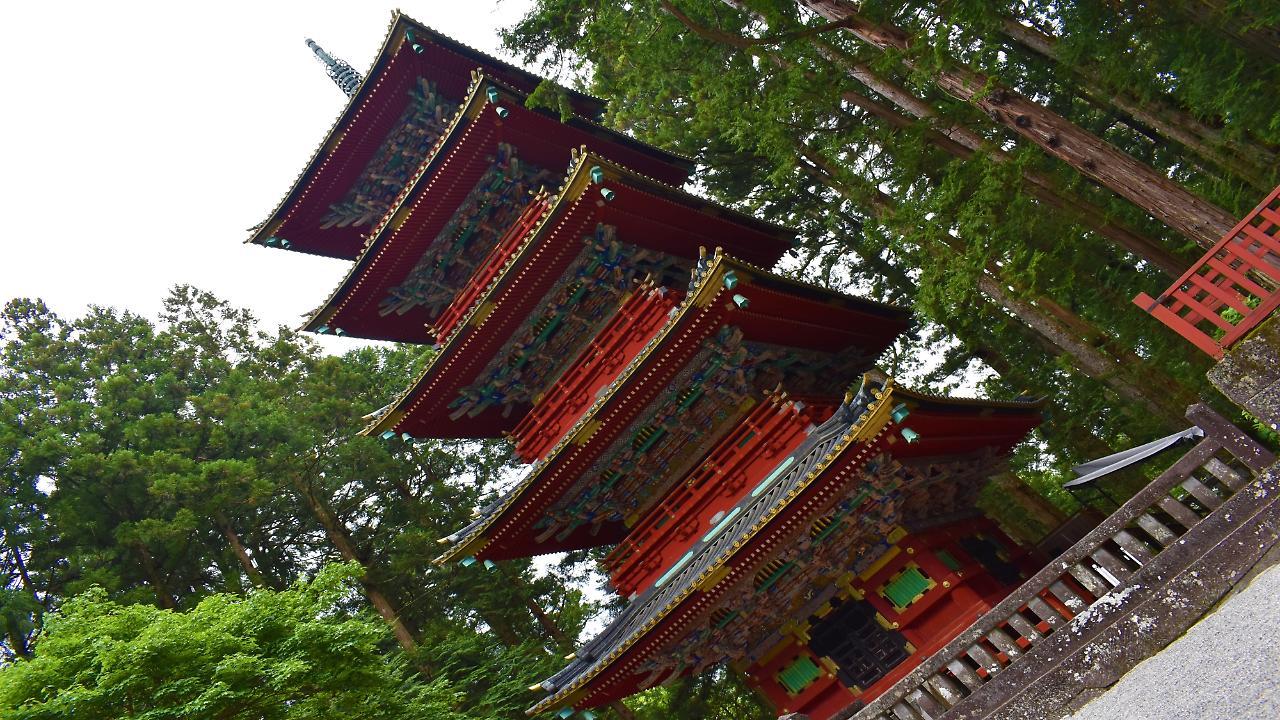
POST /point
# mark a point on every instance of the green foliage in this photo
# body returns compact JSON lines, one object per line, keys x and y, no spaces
{"x":719,"y":694}
{"x":204,"y":464}
{"x":297,"y":653}
{"x":780,"y":128}
{"x":200,"y":457}
{"x":551,"y":96}
{"x":784,"y":121}
{"x":1264,"y":430}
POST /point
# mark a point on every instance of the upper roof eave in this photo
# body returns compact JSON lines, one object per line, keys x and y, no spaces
{"x":485,"y":59}
{"x":472,"y":104}
{"x":399,"y":23}
{"x":468,"y":108}
{"x":853,"y":302}
{"x":942,"y":401}
{"x":678,"y":195}
{"x":397,"y":409}
{"x":398,"y":16}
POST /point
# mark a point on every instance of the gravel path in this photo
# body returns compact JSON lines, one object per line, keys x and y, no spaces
{"x":1226,"y":667}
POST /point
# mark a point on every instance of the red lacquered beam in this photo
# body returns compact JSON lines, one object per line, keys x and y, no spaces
{"x":489,"y":268}
{"x":636,"y":321}
{"x":771,"y":431}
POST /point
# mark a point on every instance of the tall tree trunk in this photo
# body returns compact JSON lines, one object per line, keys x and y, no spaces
{"x":492,"y":617}
{"x":164,"y":598}
{"x":553,"y":631}
{"x":337,"y":535}
{"x":548,"y":624}
{"x":1075,"y":438}
{"x":1088,"y":358}
{"x":1171,"y":123}
{"x":1093,"y":157}
{"x":963,"y":143}
{"x":1233,"y":25}
{"x":22,"y":571}
{"x":1055,"y":336}
{"x":980,"y":349}
{"x":957,"y":141}
{"x":242,"y":555}
{"x":17,"y":638}
{"x":499,"y":625}
{"x":391,"y":615}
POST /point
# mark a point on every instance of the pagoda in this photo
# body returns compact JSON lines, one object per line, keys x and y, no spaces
{"x":769,"y":500}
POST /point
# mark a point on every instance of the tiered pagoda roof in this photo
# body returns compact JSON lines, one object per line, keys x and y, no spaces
{"x":739,"y":332}
{"x":406,"y":103}
{"x":539,"y":300}
{"x":688,"y":407}
{"x":862,"y":470}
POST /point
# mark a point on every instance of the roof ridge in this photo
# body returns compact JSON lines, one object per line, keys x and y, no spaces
{"x":680,"y":191}
{"x":401,"y":15}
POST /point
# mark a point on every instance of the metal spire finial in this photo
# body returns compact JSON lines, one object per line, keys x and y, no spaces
{"x":340,"y":72}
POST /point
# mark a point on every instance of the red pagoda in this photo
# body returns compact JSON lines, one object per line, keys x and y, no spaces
{"x":771,"y":501}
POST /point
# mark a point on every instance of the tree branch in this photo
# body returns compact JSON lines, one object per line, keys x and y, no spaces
{"x":743,"y":42}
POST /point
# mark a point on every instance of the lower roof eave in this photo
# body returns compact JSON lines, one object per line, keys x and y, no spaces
{"x":862,"y":424}
{"x":867,"y":431}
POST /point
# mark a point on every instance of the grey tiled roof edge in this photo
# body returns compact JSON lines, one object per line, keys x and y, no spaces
{"x":648,"y":609}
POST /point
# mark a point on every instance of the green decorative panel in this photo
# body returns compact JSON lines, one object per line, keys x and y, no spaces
{"x":906,"y":587}
{"x":828,"y":531}
{"x":799,"y":675}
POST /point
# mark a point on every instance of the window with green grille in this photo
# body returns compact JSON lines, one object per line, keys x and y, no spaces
{"x":797,"y":676}
{"x":949,"y":560}
{"x":907,"y":586}
{"x":723,"y":616}
{"x":771,"y":573}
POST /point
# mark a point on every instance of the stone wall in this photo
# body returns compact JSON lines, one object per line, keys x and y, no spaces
{"x":1250,"y":374}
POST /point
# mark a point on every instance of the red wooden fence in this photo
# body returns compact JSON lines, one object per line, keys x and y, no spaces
{"x":1231,"y":289}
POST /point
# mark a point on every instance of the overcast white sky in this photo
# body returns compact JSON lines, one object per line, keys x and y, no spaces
{"x":140,"y":140}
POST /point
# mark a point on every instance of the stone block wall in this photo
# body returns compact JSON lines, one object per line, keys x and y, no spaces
{"x":1250,"y":374}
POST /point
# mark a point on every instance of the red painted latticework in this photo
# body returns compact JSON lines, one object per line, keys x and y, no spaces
{"x":1232,"y":289}
{"x":778,"y":312}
